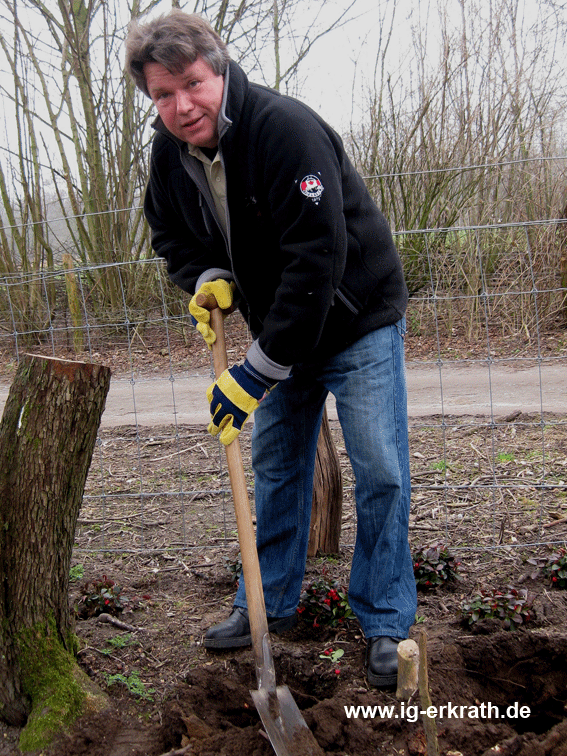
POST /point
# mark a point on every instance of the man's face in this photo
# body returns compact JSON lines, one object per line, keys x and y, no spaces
{"x":188,"y":102}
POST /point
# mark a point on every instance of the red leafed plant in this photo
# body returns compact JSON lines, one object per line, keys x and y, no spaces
{"x":98,"y":597}
{"x":433,"y":566}
{"x":512,"y":607}
{"x":324,"y":603}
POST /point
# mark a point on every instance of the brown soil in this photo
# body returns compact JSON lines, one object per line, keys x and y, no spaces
{"x":183,"y":699}
{"x":196,"y":702}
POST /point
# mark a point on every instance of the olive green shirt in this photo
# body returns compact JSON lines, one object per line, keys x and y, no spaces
{"x":216,"y":179}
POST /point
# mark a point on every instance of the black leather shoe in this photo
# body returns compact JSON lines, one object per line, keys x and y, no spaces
{"x":382,"y":661}
{"x":235,"y":631}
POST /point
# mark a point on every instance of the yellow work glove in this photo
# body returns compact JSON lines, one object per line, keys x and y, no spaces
{"x":222,"y":291}
{"x":233,"y":398}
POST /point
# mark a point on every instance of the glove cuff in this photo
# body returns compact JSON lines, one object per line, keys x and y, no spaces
{"x":263,"y":382}
{"x":211,"y":275}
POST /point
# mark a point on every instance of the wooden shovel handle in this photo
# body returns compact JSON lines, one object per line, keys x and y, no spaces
{"x":207,"y":301}
{"x":246,"y":537}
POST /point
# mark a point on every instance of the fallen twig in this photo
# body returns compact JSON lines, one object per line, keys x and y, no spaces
{"x":175,"y":453}
{"x":104,"y":617}
{"x":180,"y":751}
{"x":555,"y":522}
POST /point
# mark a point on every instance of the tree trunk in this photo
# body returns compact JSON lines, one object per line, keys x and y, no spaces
{"x":47,"y":438}
{"x":327,"y":505}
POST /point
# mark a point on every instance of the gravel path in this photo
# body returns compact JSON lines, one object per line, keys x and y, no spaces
{"x":477,"y":389}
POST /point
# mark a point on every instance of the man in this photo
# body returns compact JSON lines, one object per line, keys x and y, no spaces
{"x":251,"y":193}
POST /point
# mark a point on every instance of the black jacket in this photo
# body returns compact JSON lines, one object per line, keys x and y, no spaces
{"x":312,"y":256}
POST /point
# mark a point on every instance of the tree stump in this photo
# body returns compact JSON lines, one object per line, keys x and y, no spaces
{"x":327,"y":504}
{"x":47,"y":438}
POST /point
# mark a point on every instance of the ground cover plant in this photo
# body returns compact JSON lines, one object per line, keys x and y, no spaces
{"x":512,"y":607}
{"x":556,"y":569}
{"x":98,"y":597}
{"x":434,"y":565}
{"x":324,"y":603}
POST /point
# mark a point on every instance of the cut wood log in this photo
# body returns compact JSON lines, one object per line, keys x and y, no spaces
{"x":327,"y":504}
{"x":408,"y":669}
{"x":47,"y":438}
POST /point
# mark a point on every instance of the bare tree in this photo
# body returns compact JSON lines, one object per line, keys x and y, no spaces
{"x":79,"y":145}
{"x":463,"y":131}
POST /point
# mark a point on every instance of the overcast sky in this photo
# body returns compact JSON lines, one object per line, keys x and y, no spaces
{"x":341,"y":67}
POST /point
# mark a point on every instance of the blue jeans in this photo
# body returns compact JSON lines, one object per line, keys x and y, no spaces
{"x":368,"y":382}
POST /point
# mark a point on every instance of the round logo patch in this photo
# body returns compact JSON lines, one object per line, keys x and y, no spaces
{"x":311,"y":187}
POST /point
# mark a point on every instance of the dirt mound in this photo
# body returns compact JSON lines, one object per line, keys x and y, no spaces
{"x":486,"y":684}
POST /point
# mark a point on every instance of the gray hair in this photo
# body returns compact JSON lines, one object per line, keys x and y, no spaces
{"x":173,"y":41}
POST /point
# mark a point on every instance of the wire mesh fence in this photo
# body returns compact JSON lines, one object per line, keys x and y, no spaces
{"x":487,"y":377}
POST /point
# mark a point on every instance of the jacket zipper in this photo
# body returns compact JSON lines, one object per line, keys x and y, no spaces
{"x":203,"y":188}
{"x":347,"y":302}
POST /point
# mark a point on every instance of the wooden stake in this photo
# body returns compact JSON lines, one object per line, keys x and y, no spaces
{"x":408,"y":669}
{"x":429,"y":723}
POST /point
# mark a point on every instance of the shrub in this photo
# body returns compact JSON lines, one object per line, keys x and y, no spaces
{"x":556,"y":569}
{"x":434,"y":566}
{"x":99,"y":596}
{"x":234,"y":567}
{"x":324,"y":603}
{"x":513,"y":608}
